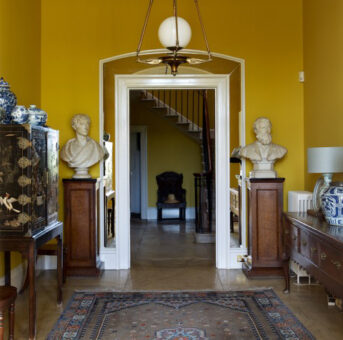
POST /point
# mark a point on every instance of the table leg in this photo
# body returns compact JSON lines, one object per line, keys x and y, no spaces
{"x":1,"y":325}
{"x":59,"y":269}
{"x":32,"y":290}
{"x":11,"y":321}
{"x":285,"y":266}
{"x":7,"y":268}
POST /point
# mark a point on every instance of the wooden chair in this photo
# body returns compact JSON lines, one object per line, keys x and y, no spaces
{"x":8,"y":295}
{"x":170,"y":183}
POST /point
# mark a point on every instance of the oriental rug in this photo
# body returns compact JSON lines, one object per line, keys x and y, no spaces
{"x":239,"y":315}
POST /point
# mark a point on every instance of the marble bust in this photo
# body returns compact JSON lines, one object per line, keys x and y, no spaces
{"x":263,"y":153}
{"x":82,"y":151}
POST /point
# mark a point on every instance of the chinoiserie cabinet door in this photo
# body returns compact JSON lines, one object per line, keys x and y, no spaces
{"x":39,"y":176}
{"x":28,"y":188}
{"x":15,"y":179}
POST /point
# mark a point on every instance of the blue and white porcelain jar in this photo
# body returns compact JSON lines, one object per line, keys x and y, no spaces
{"x":37,"y":116}
{"x":332,"y":204}
{"x":20,"y":115}
{"x":8,"y":101}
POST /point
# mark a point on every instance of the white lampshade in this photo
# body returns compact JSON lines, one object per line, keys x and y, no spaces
{"x":167,"y":32}
{"x":325,"y":160}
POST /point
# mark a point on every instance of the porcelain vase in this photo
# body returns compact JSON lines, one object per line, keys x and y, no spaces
{"x":332,"y":204}
{"x":37,"y":116}
{"x":20,"y":115}
{"x":8,"y":101}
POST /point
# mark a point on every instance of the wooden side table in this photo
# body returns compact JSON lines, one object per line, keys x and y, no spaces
{"x":28,"y":247}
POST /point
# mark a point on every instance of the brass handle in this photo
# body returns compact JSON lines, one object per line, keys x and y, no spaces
{"x":336,"y":263}
{"x":313,"y":250}
{"x":304,"y":243}
{"x":323,"y":256}
{"x":286,"y":231}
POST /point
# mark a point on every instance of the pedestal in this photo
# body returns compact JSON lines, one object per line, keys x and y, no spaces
{"x":265,"y":201}
{"x":81,"y":227}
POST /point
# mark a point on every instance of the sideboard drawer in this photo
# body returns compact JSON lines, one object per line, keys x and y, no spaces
{"x":331,"y":261}
{"x":294,"y":232}
{"x":309,"y":246}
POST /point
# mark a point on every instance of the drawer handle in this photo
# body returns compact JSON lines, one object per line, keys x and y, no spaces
{"x":336,"y":263}
{"x":323,"y":256}
{"x":286,"y":231}
{"x":313,"y":250}
{"x":304,"y":243}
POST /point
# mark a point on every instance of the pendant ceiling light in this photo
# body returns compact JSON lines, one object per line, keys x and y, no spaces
{"x":174,"y":34}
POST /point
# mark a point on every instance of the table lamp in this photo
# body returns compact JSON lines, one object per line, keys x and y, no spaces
{"x":327,"y":161}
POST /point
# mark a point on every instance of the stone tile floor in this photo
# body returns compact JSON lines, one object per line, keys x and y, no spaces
{"x":164,"y":257}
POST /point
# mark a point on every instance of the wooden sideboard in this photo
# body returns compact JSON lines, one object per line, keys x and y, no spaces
{"x":317,"y":247}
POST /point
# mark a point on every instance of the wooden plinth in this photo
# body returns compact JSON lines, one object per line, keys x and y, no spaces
{"x":81,"y":227}
{"x":261,"y":272}
{"x":265,"y":201}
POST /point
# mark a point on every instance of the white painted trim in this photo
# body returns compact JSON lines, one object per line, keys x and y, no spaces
{"x":123,"y":84}
{"x":170,"y":213}
{"x":109,"y":255}
{"x":101,"y":220}
{"x":143,"y":167}
{"x":18,"y":275}
{"x":234,"y":253}
{"x":243,"y":216}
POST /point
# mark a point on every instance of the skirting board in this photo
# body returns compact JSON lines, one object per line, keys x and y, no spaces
{"x":17,"y":276}
{"x":18,"y":273}
{"x":170,"y":213}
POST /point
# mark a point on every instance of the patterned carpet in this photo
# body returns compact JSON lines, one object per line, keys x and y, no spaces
{"x":240,"y":315}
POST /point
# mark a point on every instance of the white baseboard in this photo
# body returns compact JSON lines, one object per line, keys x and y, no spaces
{"x":235,"y":253}
{"x":18,"y":275}
{"x":170,"y":213}
{"x":45,"y":262}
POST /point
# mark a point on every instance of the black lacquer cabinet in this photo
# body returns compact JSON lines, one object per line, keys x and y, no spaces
{"x":28,"y":178}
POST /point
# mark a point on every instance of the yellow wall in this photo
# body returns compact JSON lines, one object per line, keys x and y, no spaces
{"x":168,"y":150}
{"x":76,"y":34}
{"x":323,"y":65}
{"x":20,"y":55}
{"x":266,"y":33}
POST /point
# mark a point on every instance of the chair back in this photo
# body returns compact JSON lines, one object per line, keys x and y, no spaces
{"x":170,"y":182}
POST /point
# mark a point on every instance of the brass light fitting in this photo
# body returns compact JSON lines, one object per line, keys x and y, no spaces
{"x":174,"y":33}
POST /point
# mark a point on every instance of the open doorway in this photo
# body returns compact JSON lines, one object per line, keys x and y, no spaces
{"x":114,"y":114}
{"x":180,"y":130}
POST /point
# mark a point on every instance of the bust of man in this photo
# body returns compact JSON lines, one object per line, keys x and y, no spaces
{"x":82,"y":151}
{"x":263,"y":153}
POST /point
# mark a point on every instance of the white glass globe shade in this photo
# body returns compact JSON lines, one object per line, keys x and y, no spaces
{"x":167,"y":32}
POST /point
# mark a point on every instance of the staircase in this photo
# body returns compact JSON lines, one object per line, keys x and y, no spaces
{"x":187,"y":111}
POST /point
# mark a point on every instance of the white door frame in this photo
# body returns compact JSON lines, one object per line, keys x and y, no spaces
{"x":114,"y":258}
{"x":142,"y":130}
{"x":123,"y":85}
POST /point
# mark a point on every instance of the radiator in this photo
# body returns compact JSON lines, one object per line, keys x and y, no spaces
{"x":299,"y":201}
